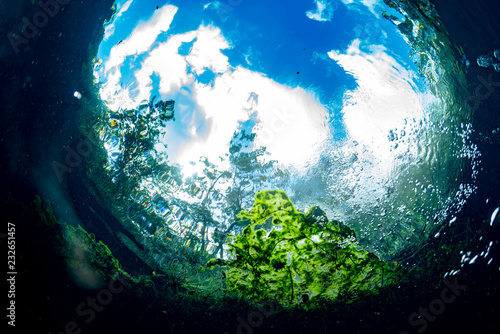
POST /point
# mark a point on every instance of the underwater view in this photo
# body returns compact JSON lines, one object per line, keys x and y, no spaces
{"x":246,"y":166}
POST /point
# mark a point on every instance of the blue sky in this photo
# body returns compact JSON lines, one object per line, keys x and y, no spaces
{"x":311,"y":73}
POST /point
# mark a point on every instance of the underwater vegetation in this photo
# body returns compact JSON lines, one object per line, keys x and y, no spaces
{"x":302,"y":258}
{"x":167,"y":298}
{"x":304,"y":261}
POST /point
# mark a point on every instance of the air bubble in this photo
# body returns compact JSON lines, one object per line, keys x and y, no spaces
{"x":494,"y":215}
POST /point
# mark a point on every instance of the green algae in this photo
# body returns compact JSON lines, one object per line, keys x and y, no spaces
{"x":302,"y":258}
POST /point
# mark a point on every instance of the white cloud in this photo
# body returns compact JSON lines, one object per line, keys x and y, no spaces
{"x":166,"y":62}
{"x":139,"y":41}
{"x":210,"y":114}
{"x":292,"y":123}
{"x":142,"y":37}
{"x":385,"y":97}
{"x":324,"y":11}
{"x":206,"y":52}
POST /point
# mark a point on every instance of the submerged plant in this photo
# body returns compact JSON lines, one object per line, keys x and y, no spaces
{"x":300,"y":257}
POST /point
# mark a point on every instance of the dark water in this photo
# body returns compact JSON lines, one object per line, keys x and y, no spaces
{"x":40,"y":122}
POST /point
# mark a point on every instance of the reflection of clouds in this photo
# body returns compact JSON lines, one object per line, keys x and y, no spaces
{"x":385,"y":97}
{"x":324,"y":11}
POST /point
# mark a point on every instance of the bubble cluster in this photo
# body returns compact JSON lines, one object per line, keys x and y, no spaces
{"x":492,"y":59}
